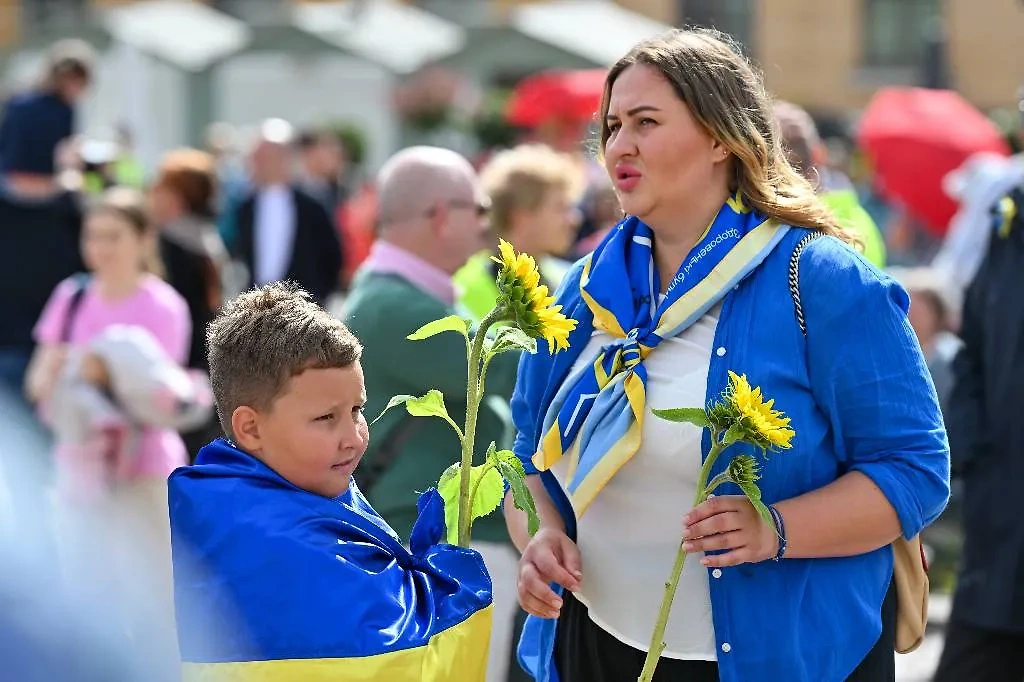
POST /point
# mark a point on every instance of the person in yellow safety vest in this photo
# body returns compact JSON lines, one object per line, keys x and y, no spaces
{"x":809,"y":155}
{"x":533,"y":191}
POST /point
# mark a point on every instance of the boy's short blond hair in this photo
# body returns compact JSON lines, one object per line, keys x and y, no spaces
{"x":520,"y":178}
{"x":263,"y":338}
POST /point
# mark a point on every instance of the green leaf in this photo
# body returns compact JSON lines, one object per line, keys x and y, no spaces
{"x":753,"y":494}
{"x":691,"y":415}
{"x":511,"y":469}
{"x":431,"y":404}
{"x":394,"y":402}
{"x":486,"y":481}
{"x":510,"y":337}
{"x":452,"y":323}
{"x":484,"y":484}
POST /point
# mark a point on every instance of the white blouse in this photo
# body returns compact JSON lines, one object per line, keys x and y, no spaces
{"x":629,"y":536}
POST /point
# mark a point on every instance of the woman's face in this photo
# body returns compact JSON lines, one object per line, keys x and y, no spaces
{"x":554,"y":222}
{"x":111,"y":245}
{"x":657,"y":155}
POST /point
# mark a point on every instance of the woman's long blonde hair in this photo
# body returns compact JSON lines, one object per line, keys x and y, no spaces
{"x":727,"y":97}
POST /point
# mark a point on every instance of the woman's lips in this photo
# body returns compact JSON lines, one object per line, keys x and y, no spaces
{"x":626,"y":177}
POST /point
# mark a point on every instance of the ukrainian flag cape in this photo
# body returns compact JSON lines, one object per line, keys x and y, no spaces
{"x":276,"y":583}
{"x":596,"y":417}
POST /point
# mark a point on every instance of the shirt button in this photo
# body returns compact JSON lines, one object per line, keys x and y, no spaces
{"x":717,"y":573}
{"x":720,"y":352}
{"x":726,"y":647}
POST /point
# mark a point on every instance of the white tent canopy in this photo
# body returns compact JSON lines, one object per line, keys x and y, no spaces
{"x":399,"y":37}
{"x":598,"y":30}
{"x":189,"y":35}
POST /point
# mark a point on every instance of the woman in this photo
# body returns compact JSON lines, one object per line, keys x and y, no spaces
{"x":113,"y":489}
{"x":183,"y":205}
{"x":533,"y":190}
{"x":689,"y":140}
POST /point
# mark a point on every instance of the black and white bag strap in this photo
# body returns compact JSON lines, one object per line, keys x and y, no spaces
{"x":794,"y":277}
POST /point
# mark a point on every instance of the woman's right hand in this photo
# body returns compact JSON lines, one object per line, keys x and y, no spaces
{"x":550,"y":557}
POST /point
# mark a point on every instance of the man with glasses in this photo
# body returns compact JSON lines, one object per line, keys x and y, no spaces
{"x":432,"y":218}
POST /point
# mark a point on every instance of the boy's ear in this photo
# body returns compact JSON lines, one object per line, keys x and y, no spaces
{"x":245,"y":425}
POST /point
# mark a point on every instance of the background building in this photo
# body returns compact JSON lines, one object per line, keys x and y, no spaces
{"x":182,"y":64}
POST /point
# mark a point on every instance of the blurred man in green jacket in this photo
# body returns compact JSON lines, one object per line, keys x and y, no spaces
{"x":807,"y":152}
{"x":433,"y":216}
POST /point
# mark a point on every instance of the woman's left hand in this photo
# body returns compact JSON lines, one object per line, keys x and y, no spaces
{"x":729,"y":522}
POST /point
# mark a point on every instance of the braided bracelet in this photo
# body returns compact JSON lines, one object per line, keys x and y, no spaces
{"x":780,"y":530}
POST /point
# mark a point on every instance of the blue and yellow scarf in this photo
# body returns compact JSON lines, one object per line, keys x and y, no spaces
{"x":596,"y":417}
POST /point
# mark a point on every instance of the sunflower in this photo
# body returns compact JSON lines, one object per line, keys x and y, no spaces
{"x":745,"y":410}
{"x":527,"y":300}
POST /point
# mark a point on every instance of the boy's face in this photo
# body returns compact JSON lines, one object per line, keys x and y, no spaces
{"x":314,"y":433}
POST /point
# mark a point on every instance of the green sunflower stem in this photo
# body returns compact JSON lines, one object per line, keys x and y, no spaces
{"x":657,"y":645}
{"x":473,"y":398}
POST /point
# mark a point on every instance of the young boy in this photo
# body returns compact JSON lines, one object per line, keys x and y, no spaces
{"x":282,"y":569}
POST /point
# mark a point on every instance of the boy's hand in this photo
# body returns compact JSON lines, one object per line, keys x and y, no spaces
{"x":551,"y":557}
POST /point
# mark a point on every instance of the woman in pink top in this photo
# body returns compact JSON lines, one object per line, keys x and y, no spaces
{"x":118,"y":540}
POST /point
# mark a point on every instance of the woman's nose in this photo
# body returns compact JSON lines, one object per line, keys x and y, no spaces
{"x":618,"y":146}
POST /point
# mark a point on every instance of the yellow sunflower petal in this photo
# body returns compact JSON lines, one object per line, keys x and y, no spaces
{"x":508,"y":254}
{"x":555,"y":327}
{"x":769,"y":425}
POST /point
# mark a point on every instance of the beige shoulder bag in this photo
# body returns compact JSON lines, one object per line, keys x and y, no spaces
{"x":910,"y":569}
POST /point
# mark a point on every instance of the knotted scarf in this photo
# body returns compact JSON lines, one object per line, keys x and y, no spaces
{"x":596,"y":417}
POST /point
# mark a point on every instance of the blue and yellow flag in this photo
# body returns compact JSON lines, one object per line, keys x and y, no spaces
{"x":276,"y":583}
{"x":596,"y":417}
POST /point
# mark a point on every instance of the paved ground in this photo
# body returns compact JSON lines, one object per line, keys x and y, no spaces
{"x":920,"y":665}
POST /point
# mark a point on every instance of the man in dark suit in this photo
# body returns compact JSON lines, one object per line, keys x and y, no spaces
{"x":283,"y":232}
{"x":985,"y":636}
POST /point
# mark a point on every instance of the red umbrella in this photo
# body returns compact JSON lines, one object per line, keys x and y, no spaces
{"x":914,"y":137}
{"x":566,"y":95}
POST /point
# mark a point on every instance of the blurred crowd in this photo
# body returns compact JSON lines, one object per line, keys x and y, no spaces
{"x":111,"y":273}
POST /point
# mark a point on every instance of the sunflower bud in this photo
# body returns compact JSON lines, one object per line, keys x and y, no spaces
{"x":743,"y":470}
